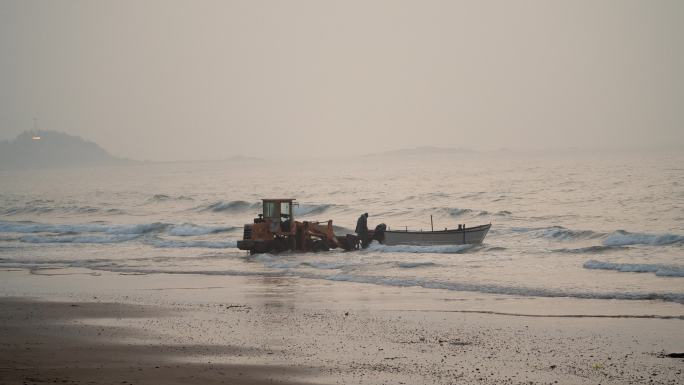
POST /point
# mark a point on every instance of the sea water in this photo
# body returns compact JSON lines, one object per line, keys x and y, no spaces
{"x":579,"y":225}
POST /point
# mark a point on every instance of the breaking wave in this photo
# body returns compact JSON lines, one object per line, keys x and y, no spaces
{"x":502,"y":213}
{"x":165,"y":198}
{"x":561,"y":233}
{"x":189,"y":229}
{"x":222,"y":206}
{"x":143,"y":228}
{"x":235,"y":206}
{"x":558,"y":233}
{"x":590,"y":249}
{"x":624,"y":238}
{"x":43,"y":208}
{"x":660,"y":270}
{"x":304,"y":210}
{"x":616,"y":239}
{"x":456,"y":212}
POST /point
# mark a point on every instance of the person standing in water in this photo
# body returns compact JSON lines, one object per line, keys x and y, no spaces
{"x":362,"y":229}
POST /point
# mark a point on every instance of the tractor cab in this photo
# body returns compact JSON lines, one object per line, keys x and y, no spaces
{"x":279,"y":213}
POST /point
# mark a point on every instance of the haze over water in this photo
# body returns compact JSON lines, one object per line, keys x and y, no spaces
{"x":590,"y":226}
{"x":138,"y":137}
{"x":173,"y":80}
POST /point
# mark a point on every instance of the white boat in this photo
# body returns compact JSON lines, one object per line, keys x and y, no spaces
{"x":471,"y":235}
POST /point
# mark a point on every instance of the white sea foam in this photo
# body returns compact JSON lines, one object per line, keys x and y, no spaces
{"x":624,"y":238}
{"x":274,"y":262}
{"x":659,"y":269}
{"x":440,"y":249}
{"x":506,"y":290}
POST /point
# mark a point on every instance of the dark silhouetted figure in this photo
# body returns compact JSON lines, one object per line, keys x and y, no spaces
{"x":362,"y":229}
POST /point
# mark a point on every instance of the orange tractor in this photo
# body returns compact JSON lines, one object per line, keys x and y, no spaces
{"x":275,"y":230}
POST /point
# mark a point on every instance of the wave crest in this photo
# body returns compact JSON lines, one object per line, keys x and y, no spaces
{"x":558,"y":233}
{"x":660,"y":270}
{"x":304,"y":210}
{"x":624,"y":238}
{"x":142,"y":228}
{"x":165,"y":197}
{"x":45,"y":208}
{"x":589,"y":249}
{"x":190,"y":229}
{"x":223,"y":206}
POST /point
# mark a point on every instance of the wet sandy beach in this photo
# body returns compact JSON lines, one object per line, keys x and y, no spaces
{"x":79,"y":327}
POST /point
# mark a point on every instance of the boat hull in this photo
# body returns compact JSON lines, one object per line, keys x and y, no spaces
{"x":473,"y":235}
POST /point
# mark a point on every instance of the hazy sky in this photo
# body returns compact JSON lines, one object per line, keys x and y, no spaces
{"x":169,"y":80}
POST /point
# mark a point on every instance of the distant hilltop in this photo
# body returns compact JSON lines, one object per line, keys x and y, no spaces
{"x":244,"y":159}
{"x":48,"y":149}
{"x":423,"y":152}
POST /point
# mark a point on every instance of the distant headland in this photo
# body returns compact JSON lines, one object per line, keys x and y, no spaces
{"x":424,"y":151}
{"x":52,"y":149}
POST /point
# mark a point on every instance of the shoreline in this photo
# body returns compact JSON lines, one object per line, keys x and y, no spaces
{"x":291,"y":331}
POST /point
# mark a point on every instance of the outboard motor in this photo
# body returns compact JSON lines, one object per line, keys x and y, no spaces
{"x":379,"y":232}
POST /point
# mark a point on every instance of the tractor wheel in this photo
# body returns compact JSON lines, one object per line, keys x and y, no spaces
{"x":319,"y":245}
